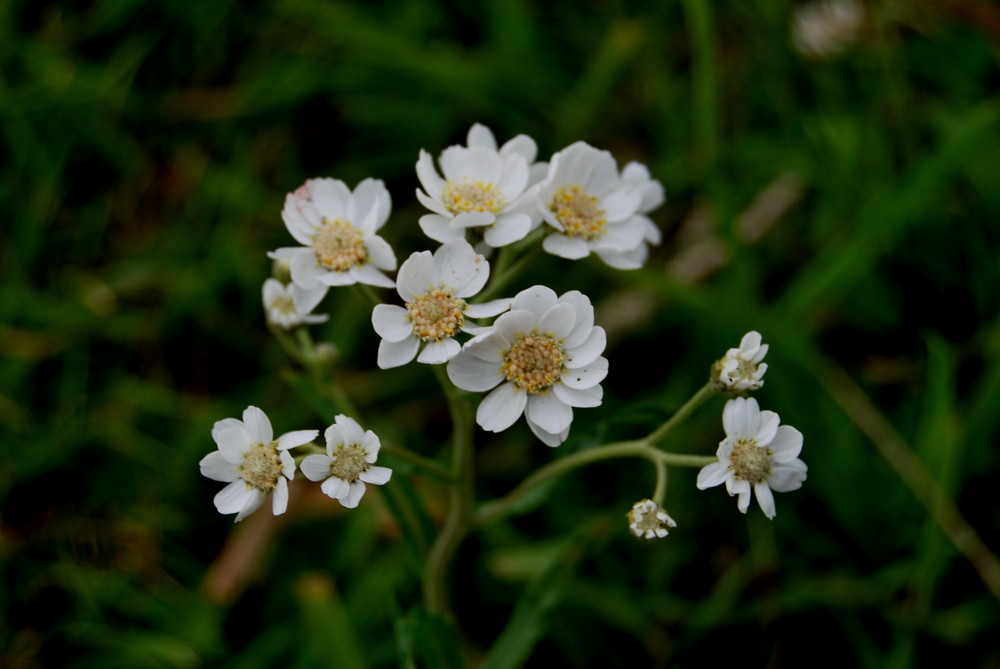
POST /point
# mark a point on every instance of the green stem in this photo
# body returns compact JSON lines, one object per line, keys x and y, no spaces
{"x":456,"y":522}
{"x":661,"y":482}
{"x":688,"y":407}
{"x":369,"y":293}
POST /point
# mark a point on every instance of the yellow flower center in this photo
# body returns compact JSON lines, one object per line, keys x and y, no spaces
{"x":534,"y":363}
{"x":339,"y":245}
{"x":348,"y":462}
{"x":750,"y":461}
{"x":261,"y":467}
{"x":284,"y":305}
{"x":579,"y":212}
{"x":436,"y":315}
{"x":462,"y":196}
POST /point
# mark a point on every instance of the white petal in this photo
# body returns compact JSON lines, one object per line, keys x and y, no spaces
{"x":371,"y":446}
{"x":473,"y":219}
{"x":514,"y":176}
{"x":786,"y":445}
{"x":735,"y":418}
{"x":488,"y":309}
{"x":417,"y":276}
{"x":439,"y":228}
{"x":306,"y":300}
{"x":336,"y":488}
{"x":258,"y":426}
{"x":217,"y":468}
{"x":279,"y":497}
{"x":272,"y":290}
{"x":397,"y":353}
{"x":587,"y":352}
{"x":501,"y":408}
{"x":370,"y":275}
{"x":623,"y":236}
{"x":549,"y":413}
{"x":557,"y":322}
{"x":765,"y":499}
{"x":787,"y":476}
{"x":624,"y":260}
{"x":316,"y":467}
{"x":392,"y":323}
{"x":296,"y":438}
{"x":537,"y":300}
{"x":521,"y":145}
{"x":428,"y":175}
{"x":376,"y":475}
{"x":233,"y":442}
{"x":435,"y":205}
{"x":620,"y":204}
{"x":584,"y":318}
{"x":353,"y":432}
{"x":507,"y":229}
{"x":743,"y":501}
{"x":547,"y":438}
{"x":472,"y":373}
{"x":305,"y":271}
{"x":588,"y":376}
{"x":480,"y":135}
{"x":516,"y":323}
{"x":571,"y":248}
{"x":335,"y":278}
{"x":380,"y":253}
{"x":438,"y":352}
{"x":234,"y":497}
{"x":712,"y":475}
{"x":767,"y":427}
{"x":354,"y":494}
{"x":589,"y":398}
{"x":330,"y":197}
{"x":367,"y":195}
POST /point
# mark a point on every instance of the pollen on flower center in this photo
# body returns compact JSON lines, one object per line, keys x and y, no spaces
{"x":750,"y":462}
{"x":579,"y":212}
{"x":348,"y":462}
{"x":534,"y":363}
{"x":339,"y":245}
{"x":284,"y":305}
{"x":436,"y":315}
{"x":261,"y":467}
{"x":463,"y":196}
{"x":745,"y":369}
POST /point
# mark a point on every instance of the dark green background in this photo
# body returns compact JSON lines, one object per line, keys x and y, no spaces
{"x":146,"y":151}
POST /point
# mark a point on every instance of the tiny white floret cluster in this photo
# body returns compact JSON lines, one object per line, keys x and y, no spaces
{"x":757,"y":455}
{"x":741,"y":369}
{"x":540,"y":359}
{"x":290,"y":306}
{"x":349,"y":462}
{"x":648,"y":520}
{"x":252,"y":462}
{"x":434,"y":288}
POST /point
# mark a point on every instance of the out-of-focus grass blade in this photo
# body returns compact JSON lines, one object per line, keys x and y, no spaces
{"x":427,"y":640}
{"x":328,"y":630}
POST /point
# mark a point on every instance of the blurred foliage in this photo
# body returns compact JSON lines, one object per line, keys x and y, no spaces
{"x":847,"y":208}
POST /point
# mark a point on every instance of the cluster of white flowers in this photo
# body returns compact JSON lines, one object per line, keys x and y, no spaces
{"x":541,"y":357}
{"x":254,"y":464}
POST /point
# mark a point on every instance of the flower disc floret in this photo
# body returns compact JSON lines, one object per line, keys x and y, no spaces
{"x":339,"y":245}
{"x":436,"y":315}
{"x":758,"y":455}
{"x":648,"y":520}
{"x":466,"y":195}
{"x":349,"y":462}
{"x":579,"y":212}
{"x":534,"y":363}
{"x":741,"y":369}
{"x":261,"y":467}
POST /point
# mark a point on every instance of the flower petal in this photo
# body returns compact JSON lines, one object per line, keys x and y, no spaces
{"x":549,"y":413}
{"x":330,"y":197}
{"x":712,"y":475}
{"x":296,"y":438}
{"x":336,"y":488}
{"x":234,"y":497}
{"x":558,"y":321}
{"x":589,"y":398}
{"x":428,"y":175}
{"x":588,"y":351}
{"x":217,"y":468}
{"x":507,"y":229}
{"x":392,"y":323}
{"x":571,"y":248}
{"x":397,"y":353}
{"x":765,"y":499}
{"x":470,"y":372}
{"x":537,"y":300}
{"x":438,"y":352}
{"x":438,"y":228}
{"x":279,"y":497}
{"x":488,"y":309}
{"x":354,"y":494}
{"x":376,"y":475}
{"x":316,"y":467}
{"x":258,"y":426}
{"x":233,"y":442}
{"x":370,"y":275}
{"x":587,"y":376}
{"x":501,"y":408}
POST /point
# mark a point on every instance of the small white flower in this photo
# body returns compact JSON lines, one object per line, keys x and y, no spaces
{"x":483,"y":188}
{"x":756,"y":455}
{"x":648,"y":520}
{"x":824,"y":28}
{"x":542,"y":358}
{"x":336,"y":228}
{"x":252,"y":463}
{"x":636,"y":176}
{"x":592,"y":209}
{"x":289,"y":306}
{"x":741,"y":368}
{"x":347,"y":465}
{"x":434,"y":288}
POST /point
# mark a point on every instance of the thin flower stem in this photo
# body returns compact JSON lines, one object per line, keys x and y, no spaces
{"x":307,"y":349}
{"x":661,"y":482}
{"x":287,"y":344}
{"x":456,"y":522}
{"x":686,"y":410}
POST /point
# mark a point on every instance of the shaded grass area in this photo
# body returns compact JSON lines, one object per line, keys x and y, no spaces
{"x":846,"y":208}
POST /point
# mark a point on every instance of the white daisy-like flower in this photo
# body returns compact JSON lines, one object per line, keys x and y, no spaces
{"x":542,"y":358}
{"x":648,"y":520}
{"x":637,"y":177}
{"x":252,"y":462}
{"x":483,"y":188}
{"x":336,"y":228}
{"x":824,"y":28}
{"x":434,"y":288}
{"x":741,"y":369}
{"x":347,"y":465}
{"x":289,"y":306}
{"x":757,"y":454}
{"x":592,"y":209}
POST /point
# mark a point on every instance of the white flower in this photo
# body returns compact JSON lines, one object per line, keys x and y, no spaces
{"x":824,"y":28}
{"x":252,"y":463}
{"x":636,"y":176}
{"x":347,"y":465}
{"x":756,"y":454}
{"x":289,"y":306}
{"x":741,"y":368}
{"x":592,"y":209}
{"x":648,"y":520}
{"x":336,"y":228}
{"x":483,"y":188}
{"x":541,"y":359}
{"x":434,"y":288}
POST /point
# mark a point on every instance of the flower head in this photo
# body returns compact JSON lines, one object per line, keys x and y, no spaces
{"x":648,"y":520}
{"x":336,"y":228}
{"x":824,"y":28}
{"x":542,"y":358}
{"x":741,"y":368}
{"x":347,"y":465}
{"x":592,"y":209}
{"x":289,"y":306}
{"x":434,"y":288}
{"x":483,"y":188}
{"x":757,"y":454}
{"x":252,"y":462}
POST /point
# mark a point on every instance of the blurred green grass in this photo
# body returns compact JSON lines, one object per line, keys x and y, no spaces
{"x":146,"y":151}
